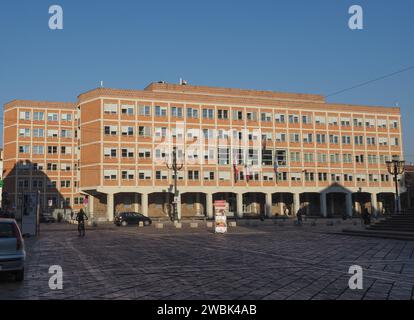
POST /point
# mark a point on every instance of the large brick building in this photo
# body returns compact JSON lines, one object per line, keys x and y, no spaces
{"x":264,"y":152}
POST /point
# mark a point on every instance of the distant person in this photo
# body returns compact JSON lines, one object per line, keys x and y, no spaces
{"x":366,"y":216}
{"x":80,"y":218}
{"x":299,"y":216}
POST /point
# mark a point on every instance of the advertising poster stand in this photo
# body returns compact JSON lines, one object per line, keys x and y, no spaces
{"x":221,"y":209}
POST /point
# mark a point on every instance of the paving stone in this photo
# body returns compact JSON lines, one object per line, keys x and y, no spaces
{"x":249,"y":262}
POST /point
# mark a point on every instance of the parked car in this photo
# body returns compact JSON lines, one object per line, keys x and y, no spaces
{"x":131,"y":218}
{"x":46,"y":218}
{"x":12,"y":251}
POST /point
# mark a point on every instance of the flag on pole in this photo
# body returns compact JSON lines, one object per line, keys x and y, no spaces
{"x":236,"y":172}
{"x":247,"y":173}
{"x":276,"y":168}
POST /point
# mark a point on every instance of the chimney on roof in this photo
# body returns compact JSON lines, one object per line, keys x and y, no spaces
{"x":183,"y":82}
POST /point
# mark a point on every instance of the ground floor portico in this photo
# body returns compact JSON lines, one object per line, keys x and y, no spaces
{"x":333,"y":201}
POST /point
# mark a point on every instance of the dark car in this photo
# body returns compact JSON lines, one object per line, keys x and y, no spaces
{"x":46,"y":218}
{"x":131,"y":218}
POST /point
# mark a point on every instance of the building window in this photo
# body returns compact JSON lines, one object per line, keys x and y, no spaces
{"x":281,"y":158}
{"x":222,"y":114}
{"x":160,"y":111}
{"x":144,"y":153}
{"x":65,"y":183}
{"x":322,"y":176}
{"x":251,"y":116}
{"x":24,"y":115}
{"x":52,"y":133}
{"x":345,"y":122}
{"x":127,"y":153}
{"x":144,"y":175}
{"x":127,"y":131}
{"x":280,"y":137}
{"x":144,"y":111}
{"x":296,"y":176}
{"x":38,"y":116}
{"x":320,"y":138}
{"x":24,"y":132}
{"x":38,"y":149}
{"x":295,"y":137}
{"x":335,"y":158}
{"x":38,"y":132}
{"x":66,"y":133}
{"x":208,"y":113}
{"x":144,"y":131}
{"x":319,"y":120}
{"x":333,"y":121}
{"x":209,"y":175}
{"x":335,"y":177}
{"x":110,"y":174}
{"x":333,"y":139}
{"x":267,"y":157}
{"x":65,"y":150}
{"x":110,"y":152}
{"x":359,"y":158}
{"x":308,"y":138}
{"x":359,"y":140}
{"x":308,"y":157}
{"x":52,"y":167}
{"x":266,"y":117}
{"x":52,"y":117}
{"x":358,"y":122}
{"x":66,"y":117}
{"x":110,"y":108}
{"x":394,"y":141}
{"x":306,"y":119}
{"x":309,"y":176}
{"x":237,"y":115}
{"x":347,"y":157}
{"x":52,"y":149}
{"x":322,"y":157}
{"x":293,"y":118}
{"x":348,"y":177}
{"x":127,"y":175}
{"x":192,"y":113}
{"x":127,"y":109}
{"x":177,"y":112}
{"x":295,"y":156}
{"x":280,"y":118}
{"x":282,"y":176}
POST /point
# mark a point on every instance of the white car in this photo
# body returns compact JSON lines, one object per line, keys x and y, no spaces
{"x":12,"y":251}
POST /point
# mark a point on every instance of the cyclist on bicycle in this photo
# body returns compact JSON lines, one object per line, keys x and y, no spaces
{"x":80,"y":218}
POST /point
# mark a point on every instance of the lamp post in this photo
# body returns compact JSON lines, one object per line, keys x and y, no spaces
{"x":395,"y":168}
{"x":175,"y":167}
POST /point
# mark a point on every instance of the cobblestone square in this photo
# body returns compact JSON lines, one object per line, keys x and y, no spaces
{"x":252,"y":261}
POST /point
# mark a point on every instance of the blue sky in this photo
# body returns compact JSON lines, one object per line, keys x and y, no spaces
{"x":293,"y":46}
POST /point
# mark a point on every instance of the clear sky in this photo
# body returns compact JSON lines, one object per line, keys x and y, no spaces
{"x":294,"y":46}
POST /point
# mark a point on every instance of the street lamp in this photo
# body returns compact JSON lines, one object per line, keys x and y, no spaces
{"x":176,"y":167}
{"x":395,"y":168}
